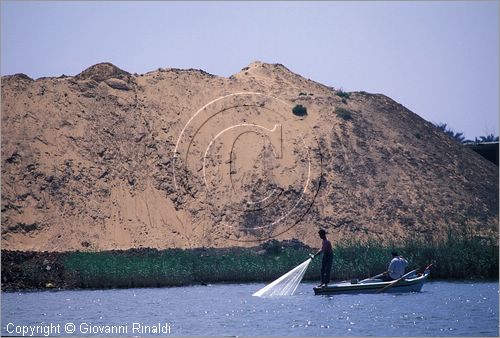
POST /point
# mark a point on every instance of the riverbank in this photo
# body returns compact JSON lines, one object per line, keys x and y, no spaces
{"x":457,"y":257}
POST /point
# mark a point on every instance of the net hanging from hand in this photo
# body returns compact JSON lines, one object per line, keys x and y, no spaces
{"x":286,"y":284}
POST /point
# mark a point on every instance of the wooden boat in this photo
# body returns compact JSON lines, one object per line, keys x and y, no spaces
{"x":410,"y":282}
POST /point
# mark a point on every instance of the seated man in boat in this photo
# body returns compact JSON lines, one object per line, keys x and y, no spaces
{"x":396,"y":268}
{"x":326,"y":263}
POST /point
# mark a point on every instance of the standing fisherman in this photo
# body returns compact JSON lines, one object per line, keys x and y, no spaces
{"x":326,"y":262}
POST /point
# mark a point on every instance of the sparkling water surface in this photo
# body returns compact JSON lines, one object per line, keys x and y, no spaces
{"x":441,"y":309}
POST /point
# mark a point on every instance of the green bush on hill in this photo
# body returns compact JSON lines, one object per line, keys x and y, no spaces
{"x":343,"y":113}
{"x":299,"y":110}
{"x":343,"y":94}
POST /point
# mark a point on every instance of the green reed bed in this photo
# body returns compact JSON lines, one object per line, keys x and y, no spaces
{"x":455,"y":257}
{"x":459,"y":256}
{"x":177,"y":267}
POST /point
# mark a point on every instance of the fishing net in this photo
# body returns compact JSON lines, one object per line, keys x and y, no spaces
{"x":286,"y":284}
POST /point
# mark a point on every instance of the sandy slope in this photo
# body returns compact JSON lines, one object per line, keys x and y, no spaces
{"x":89,"y":162}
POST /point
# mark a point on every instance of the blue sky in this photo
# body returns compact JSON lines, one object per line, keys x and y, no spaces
{"x":439,"y":59}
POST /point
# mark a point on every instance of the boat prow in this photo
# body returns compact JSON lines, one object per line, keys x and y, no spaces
{"x":412,"y":283}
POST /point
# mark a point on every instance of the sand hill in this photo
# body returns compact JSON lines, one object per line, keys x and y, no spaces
{"x":182,"y":158}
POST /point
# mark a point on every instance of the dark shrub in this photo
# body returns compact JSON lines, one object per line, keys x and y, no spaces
{"x":343,"y":113}
{"x":299,"y":110}
{"x":272,"y":247}
{"x":343,"y":94}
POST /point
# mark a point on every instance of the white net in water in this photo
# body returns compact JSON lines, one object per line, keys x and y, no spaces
{"x":286,"y":284}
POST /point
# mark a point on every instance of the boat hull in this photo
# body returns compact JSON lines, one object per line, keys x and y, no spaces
{"x":408,"y":285}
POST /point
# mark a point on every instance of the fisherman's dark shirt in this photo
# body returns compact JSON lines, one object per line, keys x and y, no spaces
{"x":327,"y":246}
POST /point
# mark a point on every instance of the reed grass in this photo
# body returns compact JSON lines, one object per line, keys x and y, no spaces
{"x":456,"y":257}
{"x":176,"y":267}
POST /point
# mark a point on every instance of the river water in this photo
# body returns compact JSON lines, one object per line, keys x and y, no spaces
{"x":441,"y":309}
